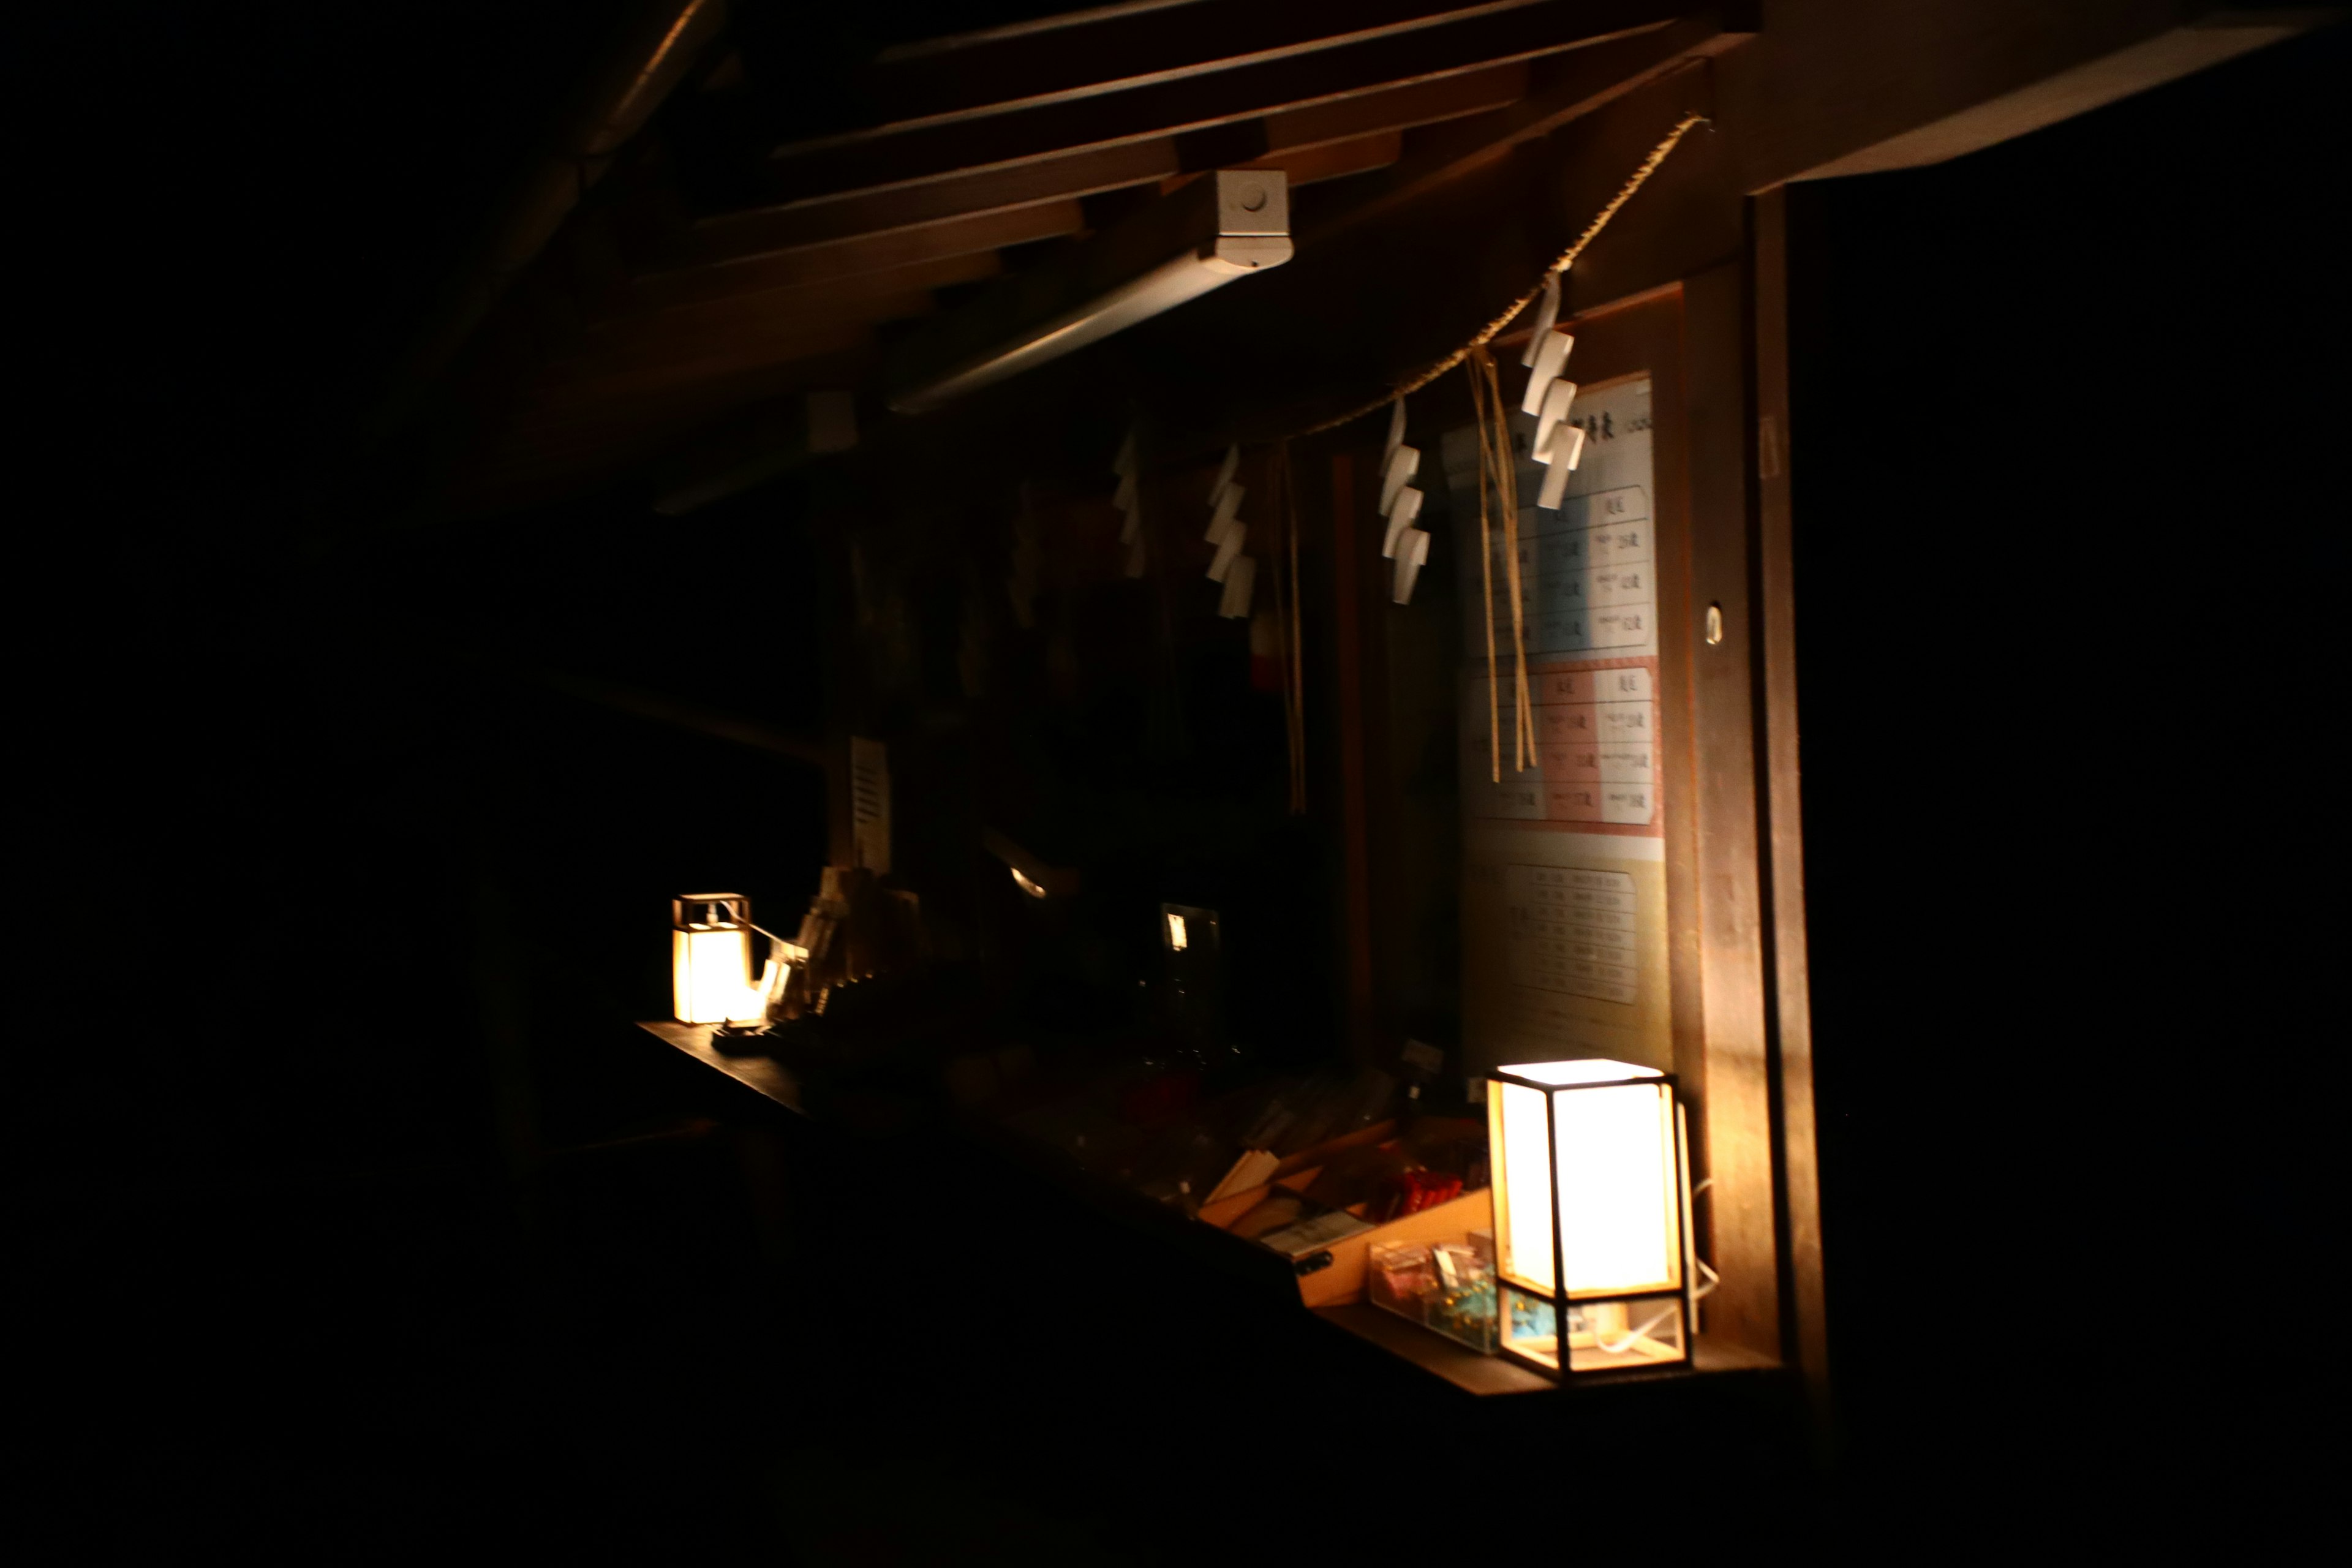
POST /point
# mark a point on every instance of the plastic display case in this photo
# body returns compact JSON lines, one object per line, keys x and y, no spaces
{"x":1446,"y":1287}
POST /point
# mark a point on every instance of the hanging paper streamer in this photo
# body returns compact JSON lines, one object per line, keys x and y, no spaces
{"x":1401,"y":515}
{"x":1396,"y":434}
{"x":1547,"y":317}
{"x":1556,"y":403}
{"x":1239,"y":580}
{"x":1225,"y":471}
{"x":1228,"y":548}
{"x":1551,"y":357}
{"x":1412,"y":555}
{"x":1229,"y":501}
{"x":1402,"y":466}
{"x":1567,"y":451}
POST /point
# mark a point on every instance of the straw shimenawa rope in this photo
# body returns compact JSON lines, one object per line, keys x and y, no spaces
{"x":1487,"y":335}
{"x":1498,"y":466}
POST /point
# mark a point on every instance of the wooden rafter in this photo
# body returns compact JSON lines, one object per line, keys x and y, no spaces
{"x":959,"y":78}
{"x":1168,"y":109}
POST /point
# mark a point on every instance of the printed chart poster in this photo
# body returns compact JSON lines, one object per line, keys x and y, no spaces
{"x":1564,"y":896}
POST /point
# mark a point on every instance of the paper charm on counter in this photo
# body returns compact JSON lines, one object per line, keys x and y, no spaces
{"x":1229,"y":501}
{"x":1552,"y":355}
{"x":1225,"y":471}
{"x":1411,"y":555}
{"x":1228,"y":548}
{"x":1401,"y":465}
{"x":1547,"y":317}
{"x":1547,"y":422}
{"x":1396,"y":434}
{"x":1400,"y":517}
{"x":1235,"y":602}
{"x":1567,"y":451}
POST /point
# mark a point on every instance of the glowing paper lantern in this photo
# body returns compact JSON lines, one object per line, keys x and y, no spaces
{"x":710,"y":959}
{"x":1592,"y":1216}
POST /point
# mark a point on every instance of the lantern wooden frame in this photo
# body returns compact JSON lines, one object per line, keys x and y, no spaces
{"x":1671,"y":1300}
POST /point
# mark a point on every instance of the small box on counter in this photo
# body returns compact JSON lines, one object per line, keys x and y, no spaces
{"x":1446,"y":1287}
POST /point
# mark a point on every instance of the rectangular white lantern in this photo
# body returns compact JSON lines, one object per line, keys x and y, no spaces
{"x":710,"y":959}
{"x":1591,"y":1216}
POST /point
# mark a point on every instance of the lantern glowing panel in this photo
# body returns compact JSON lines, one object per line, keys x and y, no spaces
{"x":1591,"y":1213}
{"x":710,"y":959}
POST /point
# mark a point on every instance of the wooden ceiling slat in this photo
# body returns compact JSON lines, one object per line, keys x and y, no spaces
{"x":551,"y":422}
{"x":1568,"y":88}
{"x":556,"y":390}
{"x":811,"y":299}
{"x":954,"y":79}
{"x":1336,"y":160}
{"x":1171,"y":107}
{"x":862,"y":252}
{"x":732,"y":237}
{"x":663,"y":343}
{"x":1398,"y":109}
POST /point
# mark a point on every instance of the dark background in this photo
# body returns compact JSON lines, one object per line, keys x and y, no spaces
{"x":2070,"y":552}
{"x":2069,"y":537}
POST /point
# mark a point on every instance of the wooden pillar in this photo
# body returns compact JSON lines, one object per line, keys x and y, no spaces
{"x":1355,"y":754}
{"x":1773,"y":648}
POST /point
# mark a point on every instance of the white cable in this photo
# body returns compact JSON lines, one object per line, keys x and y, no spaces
{"x":1621,"y":1346}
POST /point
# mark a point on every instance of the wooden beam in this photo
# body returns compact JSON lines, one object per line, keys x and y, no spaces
{"x":807,"y":225}
{"x":740,"y":236}
{"x":781,"y":330}
{"x":862,"y":252}
{"x":959,"y":79}
{"x":1336,"y":160}
{"x":816,"y":299}
{"x":1572,"y":86}
{"x":1398,"y":108}
{"x":834,"y":359}
{"x":1173,"y":108}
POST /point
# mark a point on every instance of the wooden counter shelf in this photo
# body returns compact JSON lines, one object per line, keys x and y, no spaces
{"x":1332,"y":1297}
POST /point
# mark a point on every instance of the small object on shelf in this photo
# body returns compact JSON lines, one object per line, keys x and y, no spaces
{"x":1445,"y":1287}
{"x":1306,"y":1236}
{"x":1398,"y":1275}
{"x":1462,"y":1307}
{"x":711,"y":960}
{"x":1592,"y":1216}
{"x":742,"y":1040}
